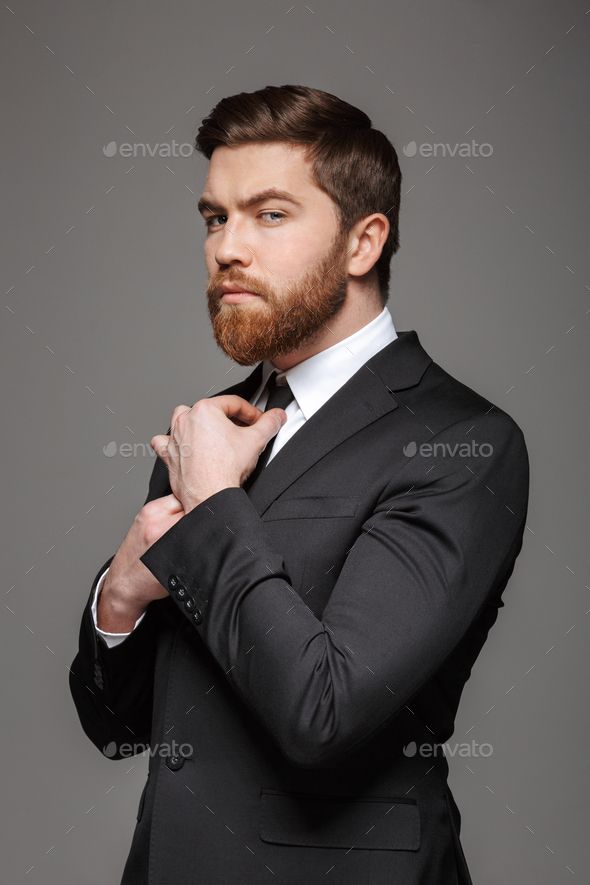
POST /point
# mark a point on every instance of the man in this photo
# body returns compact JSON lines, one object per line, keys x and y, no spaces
{"x":296,"y":608}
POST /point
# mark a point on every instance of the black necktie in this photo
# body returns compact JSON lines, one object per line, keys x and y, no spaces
{"x":279,"y":397}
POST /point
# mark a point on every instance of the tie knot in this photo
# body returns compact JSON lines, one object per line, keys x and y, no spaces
{"x":279,"y":392}
{"x":276,"y":379}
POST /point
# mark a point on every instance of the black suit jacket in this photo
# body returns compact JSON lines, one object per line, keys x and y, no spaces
{"x":317,"y":636}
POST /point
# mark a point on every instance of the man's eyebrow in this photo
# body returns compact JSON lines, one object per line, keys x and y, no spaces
{"x":271,"y":193}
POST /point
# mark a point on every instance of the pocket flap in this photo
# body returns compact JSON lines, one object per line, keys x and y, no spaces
{"x":289,"y":818}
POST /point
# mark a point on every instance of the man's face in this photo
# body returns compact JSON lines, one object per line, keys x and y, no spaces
{"x":289,"y":254}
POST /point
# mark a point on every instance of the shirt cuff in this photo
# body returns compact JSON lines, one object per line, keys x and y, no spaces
{"x":111,"y":639}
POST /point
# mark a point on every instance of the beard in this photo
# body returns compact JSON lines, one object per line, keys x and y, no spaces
{"x":281,"y":319}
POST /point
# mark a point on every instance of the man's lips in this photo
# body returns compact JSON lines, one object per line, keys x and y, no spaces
{"x":236,"y":297}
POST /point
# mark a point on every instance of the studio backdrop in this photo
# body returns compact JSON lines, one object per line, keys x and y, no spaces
{"x":105,"y":330}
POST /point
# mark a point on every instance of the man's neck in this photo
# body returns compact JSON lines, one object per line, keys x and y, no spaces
{"x":345,"y":323}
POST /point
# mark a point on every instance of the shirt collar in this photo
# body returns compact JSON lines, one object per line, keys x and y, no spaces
{"x":314,"y":380}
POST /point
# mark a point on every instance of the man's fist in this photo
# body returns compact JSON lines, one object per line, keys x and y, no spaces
{"x":214,"y":445}
{"x":129,"y":586}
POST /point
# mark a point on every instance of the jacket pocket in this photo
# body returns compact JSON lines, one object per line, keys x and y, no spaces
{"x":290,"y":818}
{"x":312,"y":507}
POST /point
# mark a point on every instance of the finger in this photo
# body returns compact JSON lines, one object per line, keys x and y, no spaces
{"x":268,"y":425}
{"x":159,"y":444}
{"x":179,"y":410}
{"x":236,"y":407}
{"x":279,"y":416}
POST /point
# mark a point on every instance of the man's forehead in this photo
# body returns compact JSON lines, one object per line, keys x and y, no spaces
{"x":252,"y":168}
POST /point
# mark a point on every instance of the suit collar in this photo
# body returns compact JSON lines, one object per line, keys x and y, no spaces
{"x":399,"y":369}
{"x":363,"y":399}
{"x":401,"y":363}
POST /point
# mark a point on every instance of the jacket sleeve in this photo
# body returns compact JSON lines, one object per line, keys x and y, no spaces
{"x":112,"y":688}
{"x":441,"y":537}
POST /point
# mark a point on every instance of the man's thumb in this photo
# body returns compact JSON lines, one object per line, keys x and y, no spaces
{"x":273,"y":423}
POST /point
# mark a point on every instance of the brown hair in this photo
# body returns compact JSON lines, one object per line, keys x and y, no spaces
{"x":353,"y":163}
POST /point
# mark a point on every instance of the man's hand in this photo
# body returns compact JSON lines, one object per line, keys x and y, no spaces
{"x":129,"y":586}
{"x":214,"y":445}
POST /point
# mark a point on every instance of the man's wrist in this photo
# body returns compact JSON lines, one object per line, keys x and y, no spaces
{"x":115,"y":612}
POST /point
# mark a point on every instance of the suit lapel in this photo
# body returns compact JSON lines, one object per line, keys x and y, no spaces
{"x":363,"y":399}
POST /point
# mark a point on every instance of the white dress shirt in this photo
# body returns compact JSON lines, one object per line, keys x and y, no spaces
{"x":312,"y":381}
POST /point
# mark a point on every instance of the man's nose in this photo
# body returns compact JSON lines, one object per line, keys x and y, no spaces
{"x":232,"y":246}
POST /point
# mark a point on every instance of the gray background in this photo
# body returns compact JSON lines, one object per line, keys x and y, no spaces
{"x":105,"y":329}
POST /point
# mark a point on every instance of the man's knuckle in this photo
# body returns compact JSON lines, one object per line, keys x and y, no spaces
{"x":147,"y":515}
{"x":149,"y":529}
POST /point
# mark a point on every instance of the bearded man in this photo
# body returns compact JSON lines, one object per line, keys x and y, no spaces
{"x":297,"y":606}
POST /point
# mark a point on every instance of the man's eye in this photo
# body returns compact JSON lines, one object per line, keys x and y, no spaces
{"x":211,"y":220}
{"x":274,"y":212}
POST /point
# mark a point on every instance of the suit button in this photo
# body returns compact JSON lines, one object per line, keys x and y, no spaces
{"x":174,"y":762}
{"x":173,"y":582}
{"x":189,"y":603}
{"x":197,"y":616}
